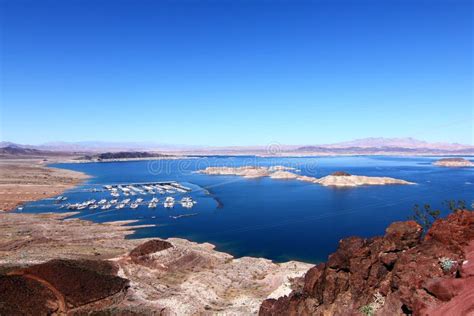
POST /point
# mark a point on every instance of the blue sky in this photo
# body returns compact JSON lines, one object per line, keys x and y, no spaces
{"x":236,"y":72}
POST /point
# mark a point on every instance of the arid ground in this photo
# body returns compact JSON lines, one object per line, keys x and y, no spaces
{"x":28,"y":179}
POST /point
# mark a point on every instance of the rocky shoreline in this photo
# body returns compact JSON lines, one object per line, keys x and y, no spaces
{"x":338,"y":179}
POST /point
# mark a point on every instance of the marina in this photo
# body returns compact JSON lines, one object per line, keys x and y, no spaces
{"x":128,"y":191}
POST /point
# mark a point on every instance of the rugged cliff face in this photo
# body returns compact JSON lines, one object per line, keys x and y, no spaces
{"x":399,"y":273}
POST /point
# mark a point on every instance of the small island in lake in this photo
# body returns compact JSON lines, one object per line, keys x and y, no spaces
{"x":454,"y":162}
{"x":124,"y":156}
{"x":339,"y":178}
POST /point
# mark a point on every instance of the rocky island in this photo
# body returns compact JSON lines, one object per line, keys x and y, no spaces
{"x":125,"y":156}
{"x":339,"y":178}
{"x":454,"y":162}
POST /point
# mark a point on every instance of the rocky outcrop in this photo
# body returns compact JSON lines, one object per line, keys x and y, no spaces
{"x":340,"y":173}
{"x":338,"y":179}
{"x":399,"y":273}
{"x":454,"y":162}
{"x":143,"y":253}
{"x":354,"y":181}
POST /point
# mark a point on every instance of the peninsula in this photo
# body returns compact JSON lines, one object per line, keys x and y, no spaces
{"x":338,"y":179}
{"x":28,"y":179}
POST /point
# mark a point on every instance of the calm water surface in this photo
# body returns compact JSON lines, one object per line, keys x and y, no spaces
{"x":276,"y":219}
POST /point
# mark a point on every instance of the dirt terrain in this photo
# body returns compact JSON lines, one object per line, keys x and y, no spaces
{"x":28,"y":179}
{"x":162,"y":277}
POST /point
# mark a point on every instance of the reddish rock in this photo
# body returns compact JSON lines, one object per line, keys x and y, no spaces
{"x":403,"y":235}
{"x":76,"y":282}
{"x":311,"y":278}
{"x":141,"y":253}
{"x":340,"y":260}
{"x":340,"y":174}
{"x":467,"y":267}
{"x":401,"y":267}
{"x":445,"y":289}
{"x":22,"y":296}
{"x":455,"y":232}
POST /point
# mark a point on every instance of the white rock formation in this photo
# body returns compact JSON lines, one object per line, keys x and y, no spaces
{"x":281,"y":172}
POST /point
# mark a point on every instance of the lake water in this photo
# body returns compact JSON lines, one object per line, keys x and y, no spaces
{"x":277,"y":219}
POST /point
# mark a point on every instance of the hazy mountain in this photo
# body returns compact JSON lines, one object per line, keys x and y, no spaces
{"x":408,"y":142}
{"x":359,"y":146}
{"x":15,"y":150}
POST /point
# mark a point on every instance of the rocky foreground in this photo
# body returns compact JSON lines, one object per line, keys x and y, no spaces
{"x":75,"y":267}
{"x":401,"y":273}
{"x":337,"y":179}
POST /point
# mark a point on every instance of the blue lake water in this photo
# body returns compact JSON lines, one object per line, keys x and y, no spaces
{"x":277,"y":219}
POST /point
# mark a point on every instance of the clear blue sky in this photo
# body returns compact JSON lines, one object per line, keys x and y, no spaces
{"x":236,"y":72}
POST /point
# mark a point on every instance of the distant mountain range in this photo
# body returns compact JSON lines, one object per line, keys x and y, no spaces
{"x":367,"y":146}
{"x":408,"y":142}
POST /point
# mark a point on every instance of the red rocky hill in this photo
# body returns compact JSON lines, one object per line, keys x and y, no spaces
{"x":399,"y":273}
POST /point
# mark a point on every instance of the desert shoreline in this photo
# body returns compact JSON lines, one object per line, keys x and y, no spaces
{"x":31,"y":179}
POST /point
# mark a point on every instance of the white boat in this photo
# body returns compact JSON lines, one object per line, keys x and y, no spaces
{"x":106,"y":207}
{"x":187,"y":204}
{"x":126,"y":201}
{"x":93,"y":206}
{"x":134,"y":205}
{"x":103,"y":201}
{"x":115,"y":194}
{"x":154,"y":200}
{"x":169,"y":202}
{"x":139,"y":200}
{"x":119,"y":206}
{"x":152,"y":205}
{"x":72,"y":206}
{"x":113,"y":201}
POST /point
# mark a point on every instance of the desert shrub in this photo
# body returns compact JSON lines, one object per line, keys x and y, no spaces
{"x":372,"y":308}
{"x":455,"y":205}
{"x":446,"y":263}
{"x":367,"y":310}
{"x":425,"y":216}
